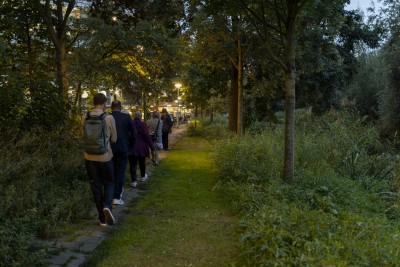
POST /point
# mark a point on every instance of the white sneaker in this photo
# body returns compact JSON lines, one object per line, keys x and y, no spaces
{"x":134,"y":184}
{"x":103,"y":224}
{"x":109,"y":216}
{"x":144,"y":178}
{"x":118,"y":201}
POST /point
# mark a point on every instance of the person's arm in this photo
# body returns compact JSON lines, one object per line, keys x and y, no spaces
{"x":112,"y":129}
{"x":132,"y":133}
{"x":147,"y":136}
{"x":159,"y":133}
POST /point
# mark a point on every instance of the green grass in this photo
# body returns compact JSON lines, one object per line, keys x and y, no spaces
{"x":180,"y":221}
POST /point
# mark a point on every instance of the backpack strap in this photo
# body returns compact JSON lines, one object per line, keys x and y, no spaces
{"x":158,"y":125}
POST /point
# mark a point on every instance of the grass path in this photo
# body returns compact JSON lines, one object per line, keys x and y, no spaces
{"x":179,"y":221}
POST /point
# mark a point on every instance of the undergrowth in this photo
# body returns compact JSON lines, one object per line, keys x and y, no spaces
{"x":42,"y":188}
{"x":343,"y":207}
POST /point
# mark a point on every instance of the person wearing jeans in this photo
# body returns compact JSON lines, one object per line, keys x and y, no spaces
{"x":100,"y":168}
{"x":140,"y":151}
{"x":155,"y":128}
{"x":126,"y":133}
{"x":101,"y":179}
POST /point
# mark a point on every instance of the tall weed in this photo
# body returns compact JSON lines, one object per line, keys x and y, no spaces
{"x":42,"y":187}
{"x":342,"y":208}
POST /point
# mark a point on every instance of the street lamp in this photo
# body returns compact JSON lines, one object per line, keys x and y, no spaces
{"x":178,"y":86}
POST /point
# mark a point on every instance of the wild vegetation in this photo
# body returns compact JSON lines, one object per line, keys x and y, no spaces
{"x":43,"y":189}
{"x":231,"y":60}
{"x":342,"y":208}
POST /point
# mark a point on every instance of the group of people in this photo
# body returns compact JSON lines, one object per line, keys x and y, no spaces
{"x":127,"y":141}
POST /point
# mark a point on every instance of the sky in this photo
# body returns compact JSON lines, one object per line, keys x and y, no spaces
{"x":362,"y":4}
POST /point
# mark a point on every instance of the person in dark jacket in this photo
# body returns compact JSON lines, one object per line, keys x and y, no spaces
{"x":166,"y":129}
{"x":126,"y":133}
{"x":140,"y":151}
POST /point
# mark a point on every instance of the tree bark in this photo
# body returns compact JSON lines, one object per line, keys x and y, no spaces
{"x":239,"y":129}
{"x":233,"y":99}
{"x":288,"y":172}
{"x":61,"y":63}
{"x":290,"y":104}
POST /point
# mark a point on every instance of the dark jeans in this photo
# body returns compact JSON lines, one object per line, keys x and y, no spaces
{"x":120,"y":160}
{"x":101,"y":179}
{"x":165,"y":140}
{"x":133,"y":161}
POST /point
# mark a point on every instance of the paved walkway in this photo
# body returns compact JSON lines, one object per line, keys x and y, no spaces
{"x":73,"y":253}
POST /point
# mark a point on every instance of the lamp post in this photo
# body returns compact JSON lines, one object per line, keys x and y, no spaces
{"x":178,"y":86}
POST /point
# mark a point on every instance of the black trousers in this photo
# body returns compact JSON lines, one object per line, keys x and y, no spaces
{"x":165,"y":140}
{"x":133,"y":161}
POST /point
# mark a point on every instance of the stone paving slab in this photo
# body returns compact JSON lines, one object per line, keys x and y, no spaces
{"x":74,"y":253}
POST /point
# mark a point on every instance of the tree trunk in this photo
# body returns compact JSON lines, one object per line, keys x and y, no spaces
{"x":211,"y":116}
{"x":233,"y":99}
{"x":145,"y":106}
{"x":240,"y":89}
{"x":61,"y":62}
{"x":290,"y":106}
{"x":288,"y":172}
{"x":78,"y":97}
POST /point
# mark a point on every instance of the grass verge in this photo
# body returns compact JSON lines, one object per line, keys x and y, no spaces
{"x":180,"y":221}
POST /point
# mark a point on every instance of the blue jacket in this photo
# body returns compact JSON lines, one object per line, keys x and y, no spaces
{"x":126,"y":132}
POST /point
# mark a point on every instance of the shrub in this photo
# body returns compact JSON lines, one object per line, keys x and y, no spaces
{"x":215,"y":130}
{"x":342,"y":208}
{"x":42,"y":184}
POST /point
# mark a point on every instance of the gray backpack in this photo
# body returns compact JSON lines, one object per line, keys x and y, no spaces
{"x":94,"y":134}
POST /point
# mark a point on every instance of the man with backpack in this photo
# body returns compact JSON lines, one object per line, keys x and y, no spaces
{"x":126,"y":132}
{"x":99,"y":130}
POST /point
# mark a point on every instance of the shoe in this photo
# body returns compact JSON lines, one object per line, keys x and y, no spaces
{"x":155,"y":163}
{"x":134,"y":184}
{"x":118,"y":201}
{"x":109,"y":216}
{"x":102,"y":223}
{"x":144,"y":178}
{"x":120,"y":196}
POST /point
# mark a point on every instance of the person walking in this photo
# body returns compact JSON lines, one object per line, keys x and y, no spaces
{"x":155,"y":128}
{"x":166,"y":128}
{"x":126,"y":133}
{"x":140,"y":151}
{"x":99,"y":165}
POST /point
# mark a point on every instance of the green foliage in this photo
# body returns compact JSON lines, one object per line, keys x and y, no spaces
{"x":342,"y":208}
{"x":211,"y":130}
{"x":42,"y":184}
{"x":368,"y":84}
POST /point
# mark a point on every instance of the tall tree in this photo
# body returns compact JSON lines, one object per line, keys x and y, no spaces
{"x":280,"y":18}
{"x":56,"y":25}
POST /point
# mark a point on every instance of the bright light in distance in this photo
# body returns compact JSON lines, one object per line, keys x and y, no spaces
{"x":178,"y":85}
{"x":85,"y":95}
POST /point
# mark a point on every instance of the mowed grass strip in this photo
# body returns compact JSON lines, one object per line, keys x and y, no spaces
{"x":180,"y":221}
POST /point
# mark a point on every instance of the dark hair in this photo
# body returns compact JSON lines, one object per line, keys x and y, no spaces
{"x":116,"y":105}
{"x":99,"y":99}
